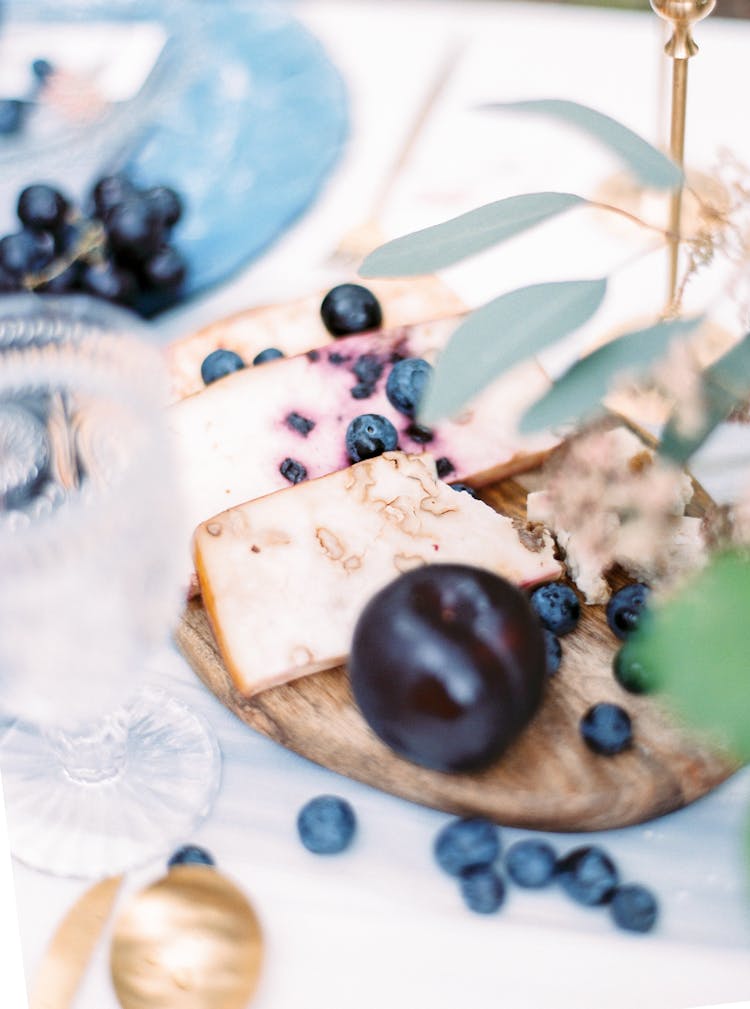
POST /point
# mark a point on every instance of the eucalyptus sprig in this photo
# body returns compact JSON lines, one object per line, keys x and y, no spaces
{"x":696,"y":643}
{"x":523,"y":322}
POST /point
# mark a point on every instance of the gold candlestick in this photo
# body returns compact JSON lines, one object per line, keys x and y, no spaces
{"x":682,"y":15}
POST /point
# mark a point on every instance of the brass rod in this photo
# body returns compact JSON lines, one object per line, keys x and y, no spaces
{"x":677,"y":153}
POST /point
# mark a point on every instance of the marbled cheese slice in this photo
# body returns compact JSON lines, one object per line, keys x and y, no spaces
{"x":296,"y":327}
{"x":285,"y":577}
{"x":233,"y":437}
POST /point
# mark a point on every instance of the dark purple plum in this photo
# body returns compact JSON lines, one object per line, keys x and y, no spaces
{"x":448,"y":665}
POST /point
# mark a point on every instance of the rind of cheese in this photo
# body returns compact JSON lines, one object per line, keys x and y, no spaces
{"x":232,"y":437}
{"x":296,"y":327}
{"x":284,"y":578}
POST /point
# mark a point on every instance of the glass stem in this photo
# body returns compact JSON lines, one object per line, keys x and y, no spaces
{"x":94,"y":753}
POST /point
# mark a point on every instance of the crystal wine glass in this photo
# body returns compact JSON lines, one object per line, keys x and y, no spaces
{"x":100,"y":771}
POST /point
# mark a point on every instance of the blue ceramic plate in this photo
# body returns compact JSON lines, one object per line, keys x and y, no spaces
{"x":251,"y":139}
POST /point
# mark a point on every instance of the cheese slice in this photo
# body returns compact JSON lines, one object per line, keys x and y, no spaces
{"x":284,"y":578}
{"x":296,"y":326}
{"x":233,"y":438}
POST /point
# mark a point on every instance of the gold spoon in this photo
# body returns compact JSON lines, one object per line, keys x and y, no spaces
{"x":189,"y":941}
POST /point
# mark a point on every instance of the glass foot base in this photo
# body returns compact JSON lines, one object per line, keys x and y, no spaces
{"x":149,"y":801}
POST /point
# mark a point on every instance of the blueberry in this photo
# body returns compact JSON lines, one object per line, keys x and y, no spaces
{"x":165,"y":203}
{"x":482,"y":889}
{"x":42,"y":69}
{"x":109,"y":192}
{"x":26,"y":251}
{"x":11,"y":116}
{"x":553,"y":650}
{"x":220,"y":363}
{"x":191,"y":854}
{"x":368,"y":368}
{"x":313,"y":355}
{"x":370,"y":435}
{"x":421,"y":435}
{"x":302,"y":425}
{"x":464,"y":489}
{"x":326,"y":825}
{"x":269,"y":354}
{"x":335,"y":358}
{"x":166,"y":269}
{"x":42,"y":208}
{"x":406,"y":384}
{"x":444,"y":467}
{"x":634,"y":908}
{"x":607,"y":729}
{"x":293,"y":471}
{"x":631,"y":674}
{"x":133,"y":229}
{"x":557,"y":607}
{"x":110,"y":282}
{"x":588,"y":875}
{"x":624,"y":608}
{"x":466,"y":844}
{"x":531,"y":863}
{"x":350,"y":308}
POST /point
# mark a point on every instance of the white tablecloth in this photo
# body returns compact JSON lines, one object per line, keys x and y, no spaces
{"x":380,"y":925}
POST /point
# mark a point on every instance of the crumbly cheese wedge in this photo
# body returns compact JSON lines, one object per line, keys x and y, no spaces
{"x":233,"y":438}
{"x":284,"y":578}
{"x":680,"y":549}
{"x":296,"y":327}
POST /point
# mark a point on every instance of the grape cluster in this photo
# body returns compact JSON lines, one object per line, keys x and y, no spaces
{"x":118,"y":250}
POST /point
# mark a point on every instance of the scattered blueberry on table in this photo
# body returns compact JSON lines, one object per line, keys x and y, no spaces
{"x":482,"y":889}
{"x":326,"y":825}
{"x":531,"y":863}
{"x":466,"y":844}
{"x":191,"y":854}
{"x":634,"y":908}
{"x":588,"y":875}
{"x":606,"y":729}
{"x":625,"y":607}
{"x":557,"y":607}
{"x":350,"y":308}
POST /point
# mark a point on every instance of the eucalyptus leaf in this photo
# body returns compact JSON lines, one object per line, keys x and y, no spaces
{"x":504,"y":332}
{"x":444,"y":244}
{"x":696,"y":646}
{"x":649,"y":165}
{"x":726,"y":384}
{"x":579,"y":392}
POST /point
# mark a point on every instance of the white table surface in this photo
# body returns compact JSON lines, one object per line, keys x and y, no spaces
{"x":380,"y":925}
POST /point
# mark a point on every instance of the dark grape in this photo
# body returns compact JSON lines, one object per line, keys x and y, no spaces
{"x":108,"y":281}
{"x":166,"y":269}
{"x":42,"y":208}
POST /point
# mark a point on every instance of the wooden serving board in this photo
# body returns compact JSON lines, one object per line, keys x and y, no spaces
{"x":547,"y":780}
